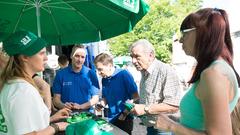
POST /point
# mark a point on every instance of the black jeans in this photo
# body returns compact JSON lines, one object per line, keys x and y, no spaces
{"x":126,"y":125}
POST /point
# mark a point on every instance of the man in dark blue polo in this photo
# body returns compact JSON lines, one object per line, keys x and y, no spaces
{"x":76,"y":86}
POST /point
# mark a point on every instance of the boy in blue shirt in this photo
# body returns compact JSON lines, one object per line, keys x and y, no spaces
{"x":118,"y":86}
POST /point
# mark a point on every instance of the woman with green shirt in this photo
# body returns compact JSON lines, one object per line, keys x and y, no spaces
{"x":207,"y":105}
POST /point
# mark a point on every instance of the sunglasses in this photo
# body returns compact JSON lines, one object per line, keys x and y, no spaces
{"x":183,"y":32}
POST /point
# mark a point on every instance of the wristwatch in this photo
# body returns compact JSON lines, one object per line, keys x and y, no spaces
{"x":146,"y":109}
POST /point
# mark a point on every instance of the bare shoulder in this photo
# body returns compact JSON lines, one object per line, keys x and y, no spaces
{"x":212,"y":81}
{"x":213,"y":73}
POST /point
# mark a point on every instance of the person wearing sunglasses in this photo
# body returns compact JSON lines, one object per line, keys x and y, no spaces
{"x":206,"y":107}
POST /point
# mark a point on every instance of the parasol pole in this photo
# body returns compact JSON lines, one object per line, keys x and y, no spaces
{"x":37,"y":4}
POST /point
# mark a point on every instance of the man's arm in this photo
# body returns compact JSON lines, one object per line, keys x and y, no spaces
{"x":57,"y":101}
{"x":162,"y":107}
{"x":172,"y":95}
{"x":94,"y":79}
{"x":94,"y":90}
{"x":136,"y":97}
{"x":171,"y":92}
{"x":57,"y":89}
{"x":87,"y":105}
{"x":141,"y":109}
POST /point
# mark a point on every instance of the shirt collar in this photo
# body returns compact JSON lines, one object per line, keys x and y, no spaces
{"x":84,"y":69}
{"x":116,"y":71}
{"x":151,"y":67}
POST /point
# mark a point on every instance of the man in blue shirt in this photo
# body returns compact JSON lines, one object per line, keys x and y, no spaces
{"x":118,"y":86}
{"x":76,"y":86}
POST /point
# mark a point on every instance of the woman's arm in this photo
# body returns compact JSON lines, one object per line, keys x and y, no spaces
{"x":51,"y":129}
{"x":54,"y":127}
{"x":165,"y":123}
{"x":215,"y":93}
{"x":61,"y":114}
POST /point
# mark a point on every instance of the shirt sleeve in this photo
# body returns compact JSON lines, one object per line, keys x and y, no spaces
{"x":171,"y":88}
{"x":94,"y":78}
{"x":57,"y":84}
{"x":94,"y":82}
{"x":28,"y":112}
{"x":129,"y":83}
{"x":103,"y":90}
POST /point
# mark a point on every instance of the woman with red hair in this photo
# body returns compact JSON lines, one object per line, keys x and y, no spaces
{"x":206,"y":107}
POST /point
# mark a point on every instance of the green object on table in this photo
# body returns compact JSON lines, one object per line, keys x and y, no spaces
{"x":87,"y":127}
{"x":129,"y":106}
{"x":80,"y":117}
{"x":101,"y":121}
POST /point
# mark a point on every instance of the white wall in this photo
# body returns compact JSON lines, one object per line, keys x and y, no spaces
{"x":236,"y":49}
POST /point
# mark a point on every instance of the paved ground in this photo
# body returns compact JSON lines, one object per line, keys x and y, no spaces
{"x":138,"y":128}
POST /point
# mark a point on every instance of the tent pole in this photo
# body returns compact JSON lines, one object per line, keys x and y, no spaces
{"x":37,"y":4}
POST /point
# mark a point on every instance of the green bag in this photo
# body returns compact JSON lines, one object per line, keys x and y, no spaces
{"x":86,"y":127}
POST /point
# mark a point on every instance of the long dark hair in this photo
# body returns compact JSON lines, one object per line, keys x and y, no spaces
{"x":213,"y":38}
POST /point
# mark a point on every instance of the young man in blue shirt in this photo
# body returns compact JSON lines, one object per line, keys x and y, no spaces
{"x":118,"y":86}
{"x":76,"y":86}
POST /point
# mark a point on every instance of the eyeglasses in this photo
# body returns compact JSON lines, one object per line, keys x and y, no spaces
{"x":183,"y":32}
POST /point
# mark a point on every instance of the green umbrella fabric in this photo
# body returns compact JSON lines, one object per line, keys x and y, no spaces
{"x":122,"y":60}
{"x":63,"y":22}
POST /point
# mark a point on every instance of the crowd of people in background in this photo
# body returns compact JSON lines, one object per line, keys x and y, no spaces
{"x":210,"y":105}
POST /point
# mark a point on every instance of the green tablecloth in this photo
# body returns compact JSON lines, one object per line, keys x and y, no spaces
{"x":87,"y":127}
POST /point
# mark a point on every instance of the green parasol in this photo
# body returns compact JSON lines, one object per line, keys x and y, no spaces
{"x":63,"y":22}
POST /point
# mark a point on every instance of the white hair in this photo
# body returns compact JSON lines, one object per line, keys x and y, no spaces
{"x":145,"y":44}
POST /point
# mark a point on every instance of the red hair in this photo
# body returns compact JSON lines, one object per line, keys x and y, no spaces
{"x":213,"y":38}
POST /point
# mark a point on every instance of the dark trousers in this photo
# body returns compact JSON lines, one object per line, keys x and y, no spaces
{"x":153,"y":131}
{"x":126,"y":125}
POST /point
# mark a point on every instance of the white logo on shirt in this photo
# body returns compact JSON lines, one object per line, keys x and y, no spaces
{"x":67,"y":83}
{"x":129,"y":3}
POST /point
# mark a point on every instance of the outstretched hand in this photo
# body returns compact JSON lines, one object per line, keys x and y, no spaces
{"x":138,"y":109}
{"x":68,"y":105}
{"x":73,"y":106}
{"x":62,"y":125}
{"x":61,"y":114}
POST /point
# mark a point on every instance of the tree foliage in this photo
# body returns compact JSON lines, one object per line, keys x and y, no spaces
{"x":158,"y":26}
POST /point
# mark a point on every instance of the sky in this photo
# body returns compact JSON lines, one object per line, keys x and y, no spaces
{"x":233,"y":9}
{"x":231,"y":6}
